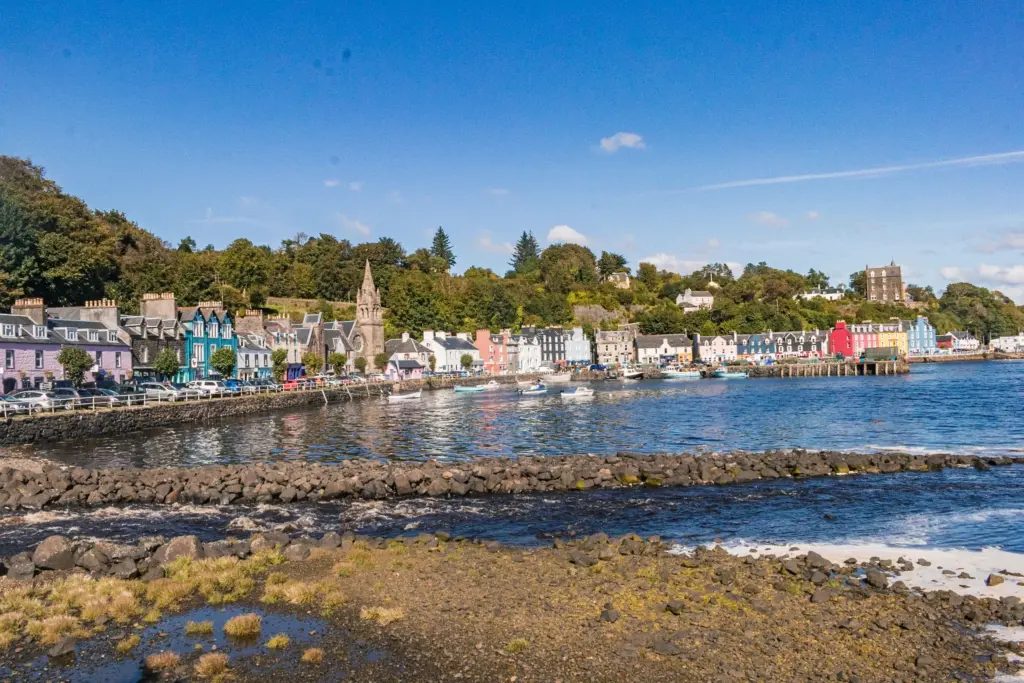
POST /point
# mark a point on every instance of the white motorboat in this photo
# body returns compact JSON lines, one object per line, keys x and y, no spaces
{"x":492,"y":385}
{"x":560,"y":378}
{"x":681,"y":374}
{"x":534,"y":390}
{"x":632,"y":374}
{"x":578,"y":392}
{"x":411,"y":396}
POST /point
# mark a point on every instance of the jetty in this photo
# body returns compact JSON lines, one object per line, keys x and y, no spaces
{"x":833,"y":369}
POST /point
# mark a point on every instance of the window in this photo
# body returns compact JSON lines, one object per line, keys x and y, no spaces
{"x":39,"y":332}
{"x":246,"y":357}
{"x":39,"y":360}
{"x":199,"y":352}
{"x":94,"y":335}
{"x":111,"y":336}
{"x":8,"y":330}
{"x":9,"y":359}
{"x":99,"y":358}
{"x":198,"y":329}
{"x":117,"y":359}
{"x":227,"y":331}
{"x":213,"y":329}
{"x":145,"y":354}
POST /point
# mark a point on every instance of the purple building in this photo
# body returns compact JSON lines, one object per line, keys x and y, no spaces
{"x":30,"y":341}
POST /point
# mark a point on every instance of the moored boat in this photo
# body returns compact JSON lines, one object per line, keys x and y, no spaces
{"x":534,"y":390}
{"x":578,"y":392}
{"x":632,"y":374}
{"x":680,"y":374}
{"x":722,"y":373}
{"x":492,"y":385}
{"x":397,"y":398}
{"x":469,"y":389}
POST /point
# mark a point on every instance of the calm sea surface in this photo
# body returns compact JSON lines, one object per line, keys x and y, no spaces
{"x":967,"y":408}
{"x":956,"y":407}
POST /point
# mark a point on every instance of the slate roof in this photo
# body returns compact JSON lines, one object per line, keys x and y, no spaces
{"x":408,"y":364}
{"x":410,"y":345}
{"x":333,"y":338}
{"x":653,"y":341}
{"x":455,"y":344}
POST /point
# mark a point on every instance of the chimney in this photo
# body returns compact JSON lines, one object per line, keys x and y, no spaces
{"x":428,"y":335}
{"x":251,"y":322}
{"x":405,"y":336}
{"x":161,"y":306}
{"x":102,"y":311}
{"x":210,"y":304}
{"x":33,"y":308}
{"x":442,"y":335}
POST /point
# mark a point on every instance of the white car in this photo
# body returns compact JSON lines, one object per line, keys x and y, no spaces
{"x":155,"y":390}
{"x":41,"y":400}
{"x":209,"y":387}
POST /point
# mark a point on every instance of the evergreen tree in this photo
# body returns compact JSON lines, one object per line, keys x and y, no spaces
{"x":611,"y":262}
{"x":526,"y":257}
{"x":442,"y":247}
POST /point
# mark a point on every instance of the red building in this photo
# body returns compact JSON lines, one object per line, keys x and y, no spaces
{"x":840,"y":340}
{"x":494,"y":351}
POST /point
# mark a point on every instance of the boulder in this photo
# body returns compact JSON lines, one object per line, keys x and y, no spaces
{"x":125,"y":569}
{"x":876,"y":579}
{"x":93,"y":560}
{"x":54,"y":553}
{"x":296,"y":552}
{"x":581,"y":558}
{"x":994,"y":580}
{"x":20,"y":567}
{"x":64,"y":646}
{"x":180,"y":546}
{"x":331,"y":539}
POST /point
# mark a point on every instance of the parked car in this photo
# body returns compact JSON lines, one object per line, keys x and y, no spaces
{"x":598,"y":367}
{"x":209,"y":387}
{"x":71,"y":397}
{"x":266,"y":384}
{"x":130,"y":394}
{"x":102,"y":397}
{"x":40,"y":400}
{"x":159,"y":392}
{"x":186,"y":392}
{"x":233,"y":386}
{"x":10,"y":406}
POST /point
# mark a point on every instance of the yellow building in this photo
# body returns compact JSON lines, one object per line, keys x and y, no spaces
{"x":892,"y":334}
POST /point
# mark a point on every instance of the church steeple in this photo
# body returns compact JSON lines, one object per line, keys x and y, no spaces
{"x":368,"y":278}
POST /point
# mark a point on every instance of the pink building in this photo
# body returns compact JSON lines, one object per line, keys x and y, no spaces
{"x":494,"y":352}
{"x":30,"y":342}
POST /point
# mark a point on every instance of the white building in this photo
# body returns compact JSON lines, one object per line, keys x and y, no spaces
{"x":620,"y":280}
{"x":614,"y":346}
{"x":655,"y":349}
{"x":529,"y":355}
{"x":1009,"y":344}
{"x":964,"y":342}
{"x":577,"y":347}
{"x":691,"y":301}
{"x":827,"y":293}
{"x":717,"y":349}
{"x":448,"y":350}
{"x":407,"y":349}
{"x":253,"y":358}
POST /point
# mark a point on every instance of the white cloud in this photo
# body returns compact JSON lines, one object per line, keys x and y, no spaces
{"x":332,"y":182}
{"x":487,"y":244}
{"x":813,"y":215}
{"x":498,"y":191}
{"x":563,"y":233}
{"x":954,"y":273}
{"x":876,"y":172}
{"x":353,"y":224}
{"x":1007,"y":279}
{"x":1012,"y":240}
{"x":768,"y":219}
{"x":356,"y":185}
{"x":210,"y":218}
{"x":1011,"y":275}
{"x":620,"y":140}
{"x":713,"y":243}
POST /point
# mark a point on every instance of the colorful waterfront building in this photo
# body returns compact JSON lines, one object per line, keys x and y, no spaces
{"x":840,"y":340}
{"x":494,"y":352}
{"x":852,"y":340}
{"x":921,"y":337}
{"x":30,"y":342}
{"x":207,"y":329}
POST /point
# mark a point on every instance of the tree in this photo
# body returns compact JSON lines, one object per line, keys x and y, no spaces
{"x":223,"y":360}
{"x":441,"y":247}
{"x":166,"y":364}
{"x":360,"y":364}
{"x":859,"y":283}
{"x":313,"y":362}
{"x":564,"y":265}
{"x":380,"y":361}
{"x":647,"y":273}
{"x":337,"y":361}
{"x":279,"y":359}
{"x":611,"y":263}
{"x":75,"y":362}
{"x":187,"y":245}
{"x":432,"y":362}
{"x":244,"y":265}
{"x":921,"y":294}
{"x":526,"y":257}
{"x":466,"y":361}
{"x":816,"y":279}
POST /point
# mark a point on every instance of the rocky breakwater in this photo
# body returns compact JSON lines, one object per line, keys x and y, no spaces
{"x":292,"y":482}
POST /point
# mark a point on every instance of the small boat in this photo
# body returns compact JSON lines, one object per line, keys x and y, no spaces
{"x":492,"y":385}
{"x":681,"y":374}
{"x":469,"y":389}
{"x":730,"y":374}
{"x":632,"y":374}
{"x":557,"y":379}
{"x":578,"y":392}
{"x":534,"y":390}
{"x":397,"y":398}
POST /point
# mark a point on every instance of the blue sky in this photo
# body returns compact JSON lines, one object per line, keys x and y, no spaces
{"x":629,"y":126}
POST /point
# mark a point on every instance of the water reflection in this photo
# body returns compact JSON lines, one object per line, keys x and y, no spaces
{"x":914,"y":412}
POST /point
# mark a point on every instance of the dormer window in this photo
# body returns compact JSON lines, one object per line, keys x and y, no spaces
{"x":8,"y":330}
{"x":39,"y":332}
{"x":94,"y":335}
{"x":111,"y":336}
{"x":71,"y":333}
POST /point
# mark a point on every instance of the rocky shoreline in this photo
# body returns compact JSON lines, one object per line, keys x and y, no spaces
{"x":295,"y":482}
{"x":597,"y":607}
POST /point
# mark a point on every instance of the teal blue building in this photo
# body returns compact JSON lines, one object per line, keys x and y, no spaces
{"x":921,"y":337}
{"x":207,"y":328}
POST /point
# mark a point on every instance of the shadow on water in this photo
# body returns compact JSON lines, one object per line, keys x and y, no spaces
{"x":854,"y":413}
{"x":96,"y":660}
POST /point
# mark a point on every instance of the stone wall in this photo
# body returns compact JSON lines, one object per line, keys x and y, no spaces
{"x":290,"y":482}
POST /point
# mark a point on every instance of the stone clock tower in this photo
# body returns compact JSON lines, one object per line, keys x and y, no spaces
{"x":368,"y":335}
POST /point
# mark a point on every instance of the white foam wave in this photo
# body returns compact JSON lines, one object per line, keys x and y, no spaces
{"x":979,"y":564}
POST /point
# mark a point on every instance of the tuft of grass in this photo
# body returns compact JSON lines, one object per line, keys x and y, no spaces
{"x":152,"y":616}
{"x":128,"y":644}
{"x":278,"y":642}
{"x":212,"y":665}
{"x":794,"y":588}
{"x":382,"y":615}
{"x":199,"y":628}
{"x":162,"y":661}
{"x":516,"y":645}
{"x":124,"y":608}
{"x":167,"y":593}
{"x":313,"y":655}
{"x":344,"y":569}
{"x":244,"y":626}
{"x":274,"y":578}
{"x":48,"y":631}
{"x":361,"y":558}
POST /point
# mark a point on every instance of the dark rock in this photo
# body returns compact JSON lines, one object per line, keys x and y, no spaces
{"x":876,"y":579}
{"x":994,"y":580}
{"x":125,"y":569}
{"x":64,"y":647}
{"x":297,"y":552}
{"x":93,"y":560}
{"x":181,"y":546}
{"x":610,"y":615}
{"x":331,"y":539}
{"x":821,"y":595}
{"x":581,"y":558}
{"x":665,"y":648}
{"x":54,"y":553}
{"x":676,"y":607}
{"x":792,"y":566}
{"x":153,"y":574}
